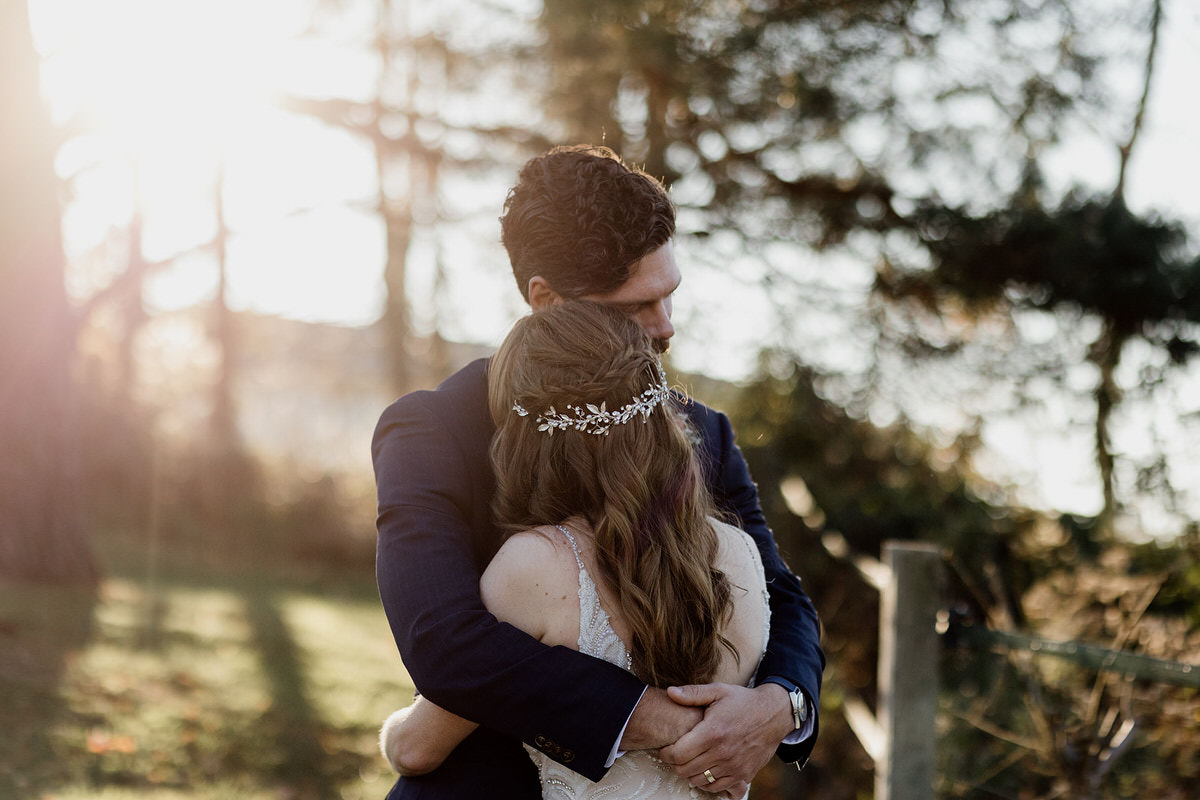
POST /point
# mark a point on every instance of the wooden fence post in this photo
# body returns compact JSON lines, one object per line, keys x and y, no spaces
{"x":908,"y":671}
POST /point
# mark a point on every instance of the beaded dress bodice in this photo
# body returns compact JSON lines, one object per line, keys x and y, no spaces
{"x":636,"y":775}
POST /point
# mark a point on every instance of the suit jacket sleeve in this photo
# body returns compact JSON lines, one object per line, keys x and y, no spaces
{"x":793,"y":649}
{"x":569,"y":705}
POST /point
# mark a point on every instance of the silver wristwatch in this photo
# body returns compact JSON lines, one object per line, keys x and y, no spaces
{"x":799,"y":707}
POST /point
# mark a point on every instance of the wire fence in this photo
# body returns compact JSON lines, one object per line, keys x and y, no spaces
{"x":914,"y":628}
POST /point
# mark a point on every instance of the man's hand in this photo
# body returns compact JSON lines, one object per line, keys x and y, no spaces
{"x":657,"y":721}
{"x":741,"y":730}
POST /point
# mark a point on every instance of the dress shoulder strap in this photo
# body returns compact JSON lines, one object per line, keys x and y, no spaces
{"x":574,"y":544}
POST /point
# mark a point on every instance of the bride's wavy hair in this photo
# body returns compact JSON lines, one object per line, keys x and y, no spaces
{"x":639,"y":487}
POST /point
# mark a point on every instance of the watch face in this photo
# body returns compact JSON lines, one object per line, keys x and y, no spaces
{"x":799,"y":706}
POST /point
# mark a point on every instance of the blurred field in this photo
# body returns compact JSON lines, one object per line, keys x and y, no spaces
{"x":193,"y":680}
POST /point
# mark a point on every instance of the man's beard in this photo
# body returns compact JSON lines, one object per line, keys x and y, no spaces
{"x":661,"y":346}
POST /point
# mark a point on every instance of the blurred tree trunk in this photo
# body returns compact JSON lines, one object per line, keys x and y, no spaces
{"x":397,"y":216}
{"x":408,"y":174}
{"x":1106,"y":353}
{"x":133,"y":314}
{"x":42,"y":533}
{"x":224,"y":411}
{"x":439,"y":350}
{"x":231,"y":484}
{"x":397,"y":212}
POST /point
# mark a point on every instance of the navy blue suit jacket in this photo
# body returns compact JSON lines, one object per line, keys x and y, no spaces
{"x":436,"y":536}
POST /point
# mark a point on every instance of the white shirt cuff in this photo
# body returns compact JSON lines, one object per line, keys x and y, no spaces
{"x":616,"y":751}
{"x":805,"y":730}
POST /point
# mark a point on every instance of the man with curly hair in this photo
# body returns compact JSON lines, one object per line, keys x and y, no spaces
{"x":579,"y":224}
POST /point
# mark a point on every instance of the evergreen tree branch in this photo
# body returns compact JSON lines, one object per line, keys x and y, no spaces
{"x":1127,"y":148}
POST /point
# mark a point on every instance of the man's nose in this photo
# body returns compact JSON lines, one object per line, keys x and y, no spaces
{"x":658,"y":322}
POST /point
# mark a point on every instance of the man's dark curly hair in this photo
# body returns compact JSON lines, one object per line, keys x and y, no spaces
{"x":581,"y":219}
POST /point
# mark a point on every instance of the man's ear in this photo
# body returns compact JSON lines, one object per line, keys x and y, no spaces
{"x":541,"y":295}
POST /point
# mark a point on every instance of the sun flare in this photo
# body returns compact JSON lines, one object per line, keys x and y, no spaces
{"x":169,"y":103}
{"x":152,"y":74}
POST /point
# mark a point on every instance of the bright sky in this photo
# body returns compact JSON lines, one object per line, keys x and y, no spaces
{"x":172,"y":90}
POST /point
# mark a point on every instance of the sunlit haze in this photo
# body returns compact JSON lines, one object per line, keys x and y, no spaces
{"x":176,"y":101}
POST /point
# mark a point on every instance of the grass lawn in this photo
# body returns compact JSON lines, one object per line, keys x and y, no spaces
{"x":193,"y":681}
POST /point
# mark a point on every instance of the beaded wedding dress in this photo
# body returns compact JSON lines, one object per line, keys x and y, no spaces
{"x":636,"y":775}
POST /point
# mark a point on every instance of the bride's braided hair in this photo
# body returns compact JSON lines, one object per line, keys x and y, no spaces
{"x":639,"y":486}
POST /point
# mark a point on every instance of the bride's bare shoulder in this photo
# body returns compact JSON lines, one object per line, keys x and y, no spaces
{"x":543,"y":540}
{"x":533,"y":572}
{"x":532,"y":552}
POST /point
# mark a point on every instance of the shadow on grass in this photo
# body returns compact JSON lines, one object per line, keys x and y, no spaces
{"x":41,"y":628}
{"x":291,"y":722}
{"x":155,"y":686}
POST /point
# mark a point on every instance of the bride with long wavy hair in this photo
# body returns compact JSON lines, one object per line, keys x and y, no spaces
{"x":597,"y":475}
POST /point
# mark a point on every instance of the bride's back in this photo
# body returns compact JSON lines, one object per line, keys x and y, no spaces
{"x":538,"y":570}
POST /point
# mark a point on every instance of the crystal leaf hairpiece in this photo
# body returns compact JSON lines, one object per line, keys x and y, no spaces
{"x":596,"y":420}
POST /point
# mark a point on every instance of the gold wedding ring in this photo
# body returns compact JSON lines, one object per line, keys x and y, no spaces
{"x":708,"y":774}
